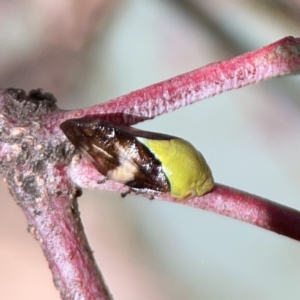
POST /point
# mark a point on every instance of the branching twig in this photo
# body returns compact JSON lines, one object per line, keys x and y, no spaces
{"x":43,"y":170}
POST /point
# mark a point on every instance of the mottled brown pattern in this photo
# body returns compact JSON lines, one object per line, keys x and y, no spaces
{"x":107,"y":144}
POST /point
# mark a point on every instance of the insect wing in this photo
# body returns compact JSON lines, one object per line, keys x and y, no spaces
{"x":116,"y":153}
{"x":92,"y":141}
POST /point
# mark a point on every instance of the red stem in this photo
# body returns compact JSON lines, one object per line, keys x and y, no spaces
{"x":223,"y":200}
{"x":251,"y":209}
{"x":62,"y":238}
{"x":277,"y":59}
{"x":33,"y":163}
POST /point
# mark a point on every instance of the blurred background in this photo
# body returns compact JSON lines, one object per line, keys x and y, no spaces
{"x":87,"y":52}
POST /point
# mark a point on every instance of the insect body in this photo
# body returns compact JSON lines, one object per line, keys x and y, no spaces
{"x":146,"y":162}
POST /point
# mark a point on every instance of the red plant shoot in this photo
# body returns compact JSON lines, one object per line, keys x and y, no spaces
{"x":44,"y":172}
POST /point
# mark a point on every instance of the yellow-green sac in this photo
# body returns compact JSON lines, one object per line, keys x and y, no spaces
{"x":185,"y":167}
{"x":146,"y":162}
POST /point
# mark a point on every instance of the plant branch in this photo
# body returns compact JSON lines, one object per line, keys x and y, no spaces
{"x":33,"y":163}
{"x":252,"y":209}
{"x":222,"y":200}
{"x":42,"y":169}
{"x":277,"y":59}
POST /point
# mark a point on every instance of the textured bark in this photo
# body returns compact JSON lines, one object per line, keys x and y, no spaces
{"x":33,"y":163}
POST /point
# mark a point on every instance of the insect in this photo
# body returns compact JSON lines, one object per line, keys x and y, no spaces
{"x":146,"y":162}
